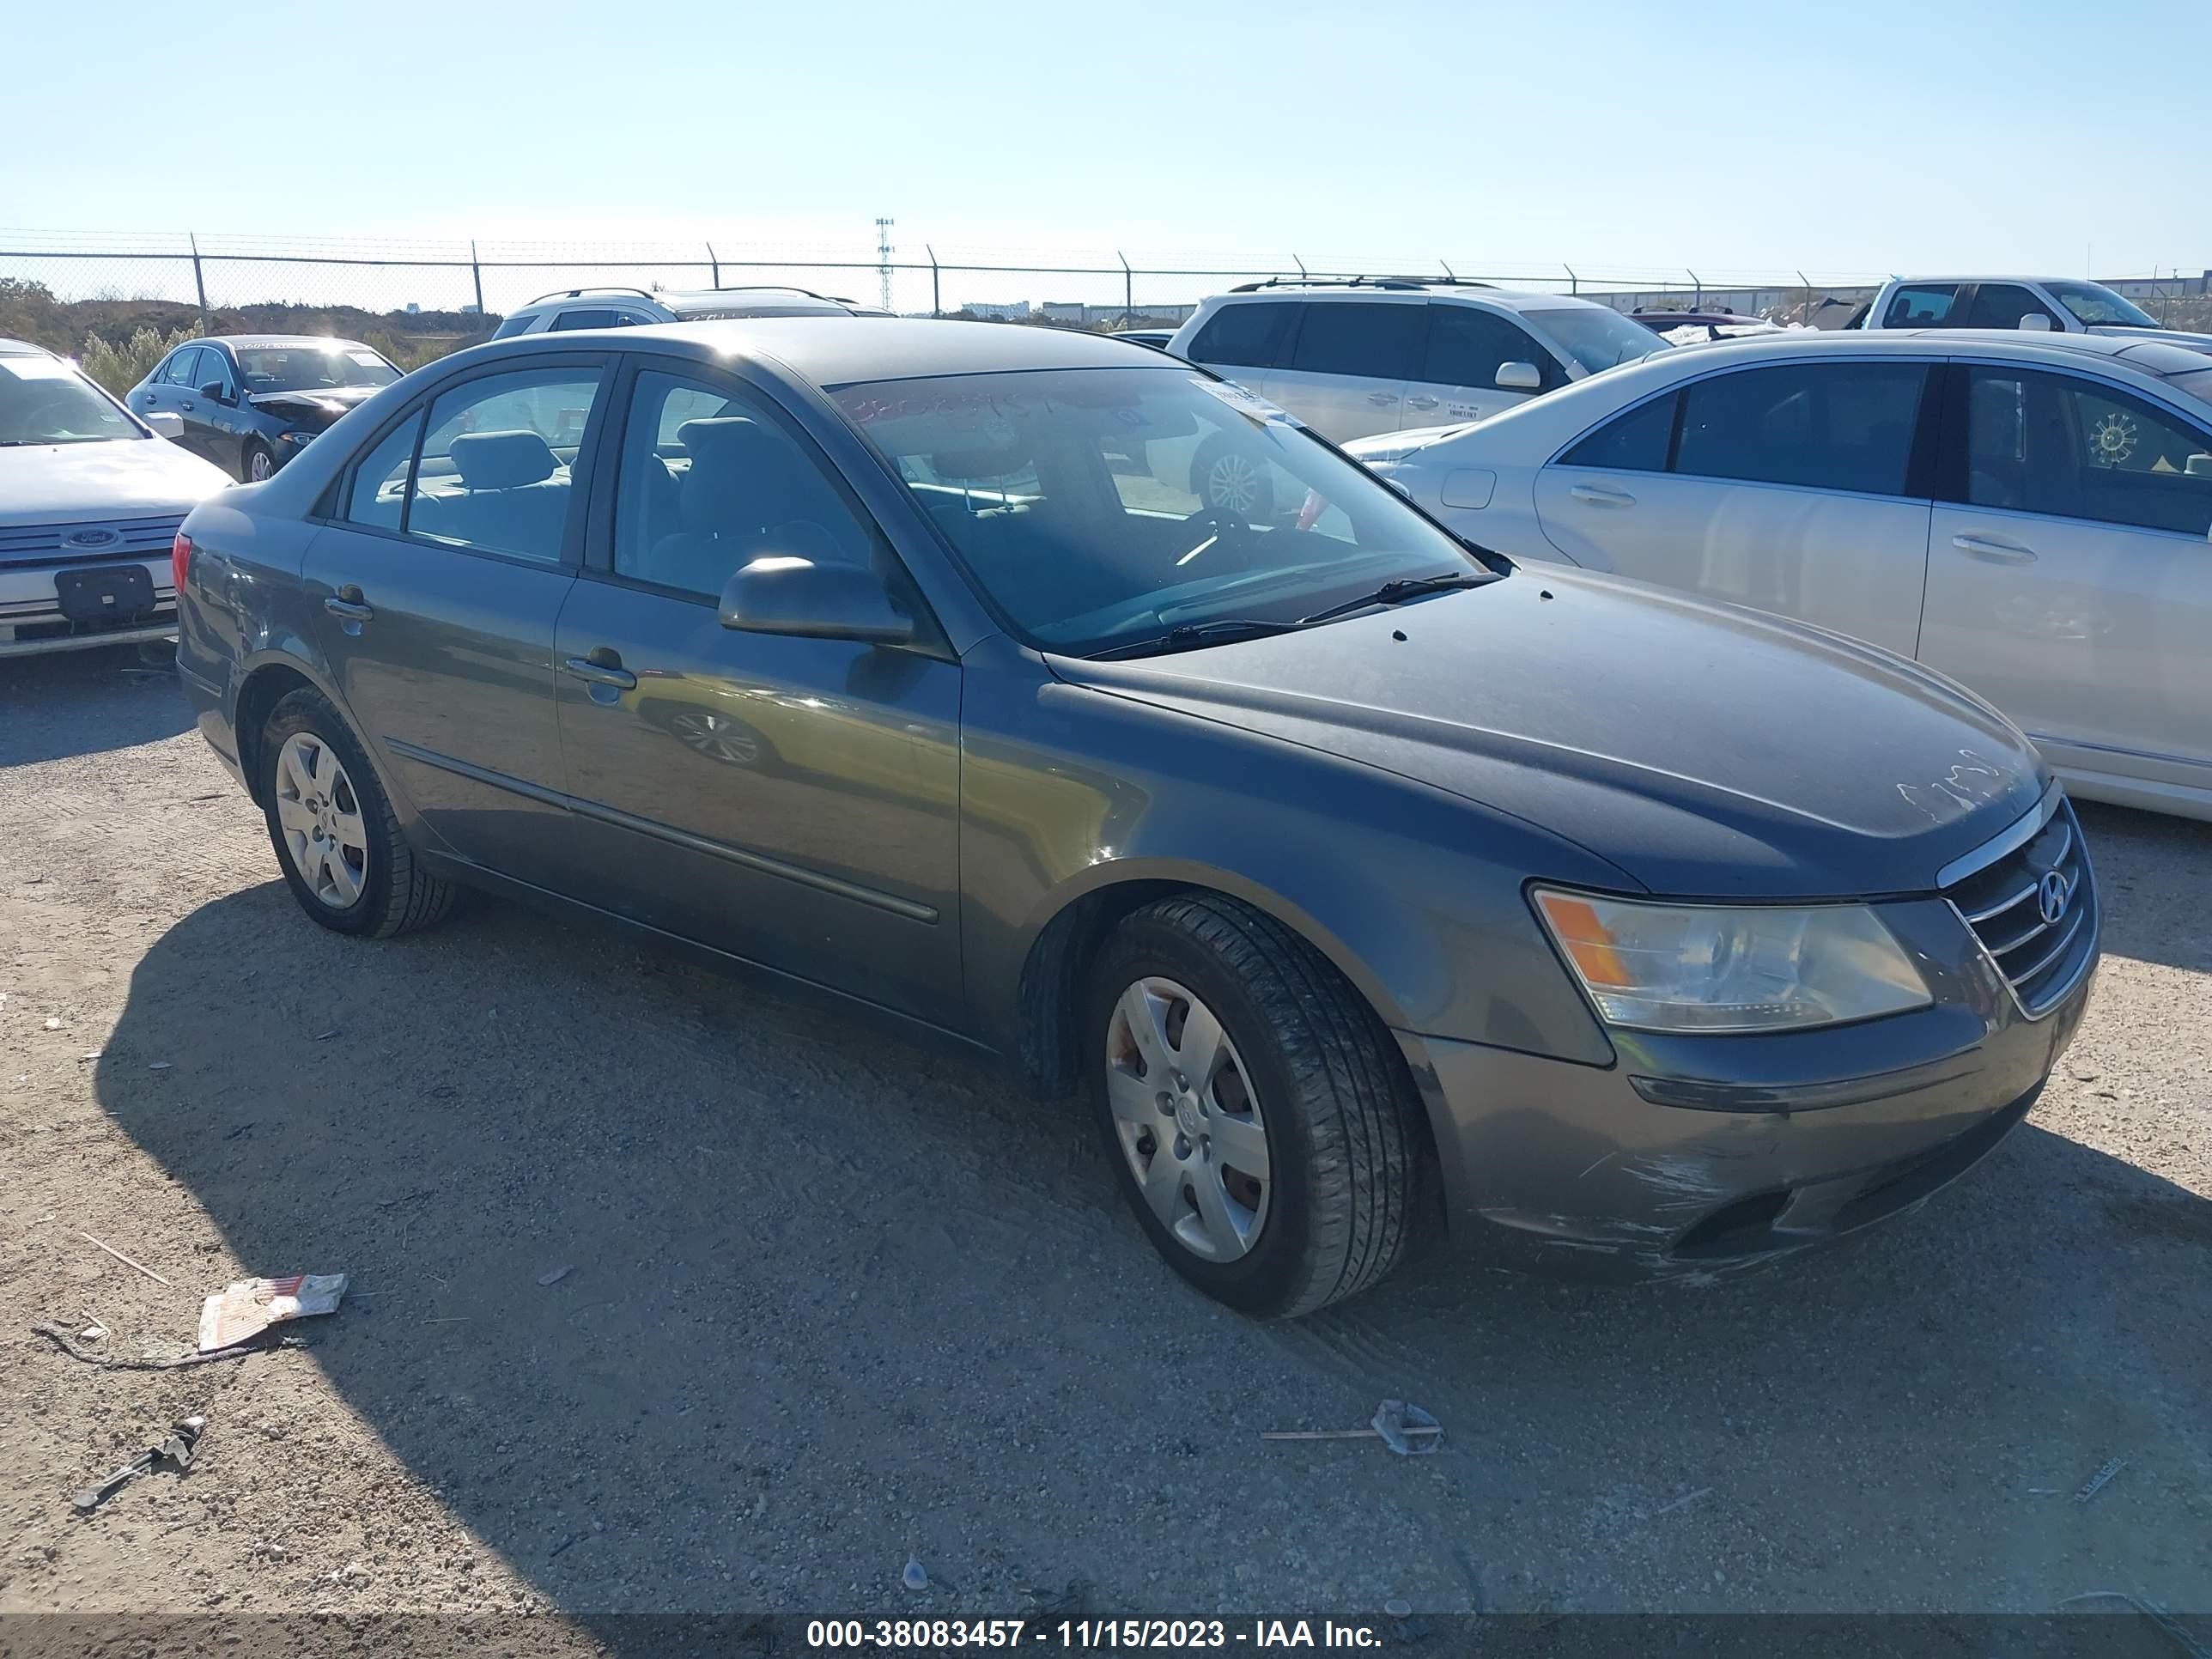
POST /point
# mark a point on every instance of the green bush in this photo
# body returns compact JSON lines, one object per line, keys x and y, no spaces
{"x":119,"y":367}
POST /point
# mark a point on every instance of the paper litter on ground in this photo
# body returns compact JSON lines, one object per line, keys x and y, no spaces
{"x":252,"y":1305}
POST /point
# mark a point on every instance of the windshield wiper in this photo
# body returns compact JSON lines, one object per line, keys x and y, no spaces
{"x":1397,"y":593}
{"x":1223,"y":632}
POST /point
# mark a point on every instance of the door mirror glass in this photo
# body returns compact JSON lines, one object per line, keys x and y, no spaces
{"x":167,"y":423}
{"x":783,"y":594}
{"x":2036,"y":323}
{"x":1519,"y":377}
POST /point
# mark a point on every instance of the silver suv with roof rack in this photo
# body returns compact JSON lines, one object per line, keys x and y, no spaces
{"x":1353,"y":357}
{"x":632,"y":307}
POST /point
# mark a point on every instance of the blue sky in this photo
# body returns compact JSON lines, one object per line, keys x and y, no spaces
{"x":1732,"y":138}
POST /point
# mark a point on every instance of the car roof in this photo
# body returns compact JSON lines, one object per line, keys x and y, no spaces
{"x":831,"y":351}
{"x":1986,"y":276}
{"x":1506,"y":299}
{"x":22,"y":348}
{"x":276,"y":342}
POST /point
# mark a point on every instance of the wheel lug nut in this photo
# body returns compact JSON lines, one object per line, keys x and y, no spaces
{"x":1182,"y":1146}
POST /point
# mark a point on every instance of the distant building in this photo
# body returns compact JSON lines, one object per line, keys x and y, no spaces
{"x":1011,"y":311}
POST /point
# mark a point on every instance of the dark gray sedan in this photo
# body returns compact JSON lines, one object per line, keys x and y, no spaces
{"x":1367,"y":884}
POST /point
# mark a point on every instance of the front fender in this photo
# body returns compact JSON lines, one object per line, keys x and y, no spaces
{"x":1413,"y":894}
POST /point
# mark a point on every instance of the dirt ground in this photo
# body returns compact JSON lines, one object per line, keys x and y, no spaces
{"x":834,"y":1300}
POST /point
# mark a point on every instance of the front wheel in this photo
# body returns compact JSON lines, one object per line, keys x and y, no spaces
{"x":1259,"y":1122}
{"x":1230,"y":480}
{"x":336,"y":840}
{"x":256,"y":465}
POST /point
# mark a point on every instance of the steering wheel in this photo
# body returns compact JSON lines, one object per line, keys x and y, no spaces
{"x":1229,"y":547}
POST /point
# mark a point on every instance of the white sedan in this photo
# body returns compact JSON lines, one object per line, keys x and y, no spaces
{"x":90,"y":499}
{"x":2031,"y":515}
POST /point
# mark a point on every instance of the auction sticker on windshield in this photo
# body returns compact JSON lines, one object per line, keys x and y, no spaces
{"x":1253,"y":408}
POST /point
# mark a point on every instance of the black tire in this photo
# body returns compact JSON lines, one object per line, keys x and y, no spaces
{"x":1344,"y":1150}
{"x":255,"y":447}
{"x":398,"y":896}
{"x":1227,"y":478}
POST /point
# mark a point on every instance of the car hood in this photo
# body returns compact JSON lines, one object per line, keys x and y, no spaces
{"x":317,"y":409}
{"x":1706,"y":751}
{"x":81,"y":484}
{"x":2170,"y":336}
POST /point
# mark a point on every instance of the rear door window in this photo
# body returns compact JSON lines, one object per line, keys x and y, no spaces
{"x":599,"y":317}
{"x":1373,"y":339}
{"x":494,"y":472}
{"x":1249,"y":335}
{"x":1634,"y":442}
{"x":180,"y":369}
{"x":1922,"y":305}
{"x":1821,"y":426}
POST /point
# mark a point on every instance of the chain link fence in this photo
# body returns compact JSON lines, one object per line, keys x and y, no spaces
{"x":122,"y":296}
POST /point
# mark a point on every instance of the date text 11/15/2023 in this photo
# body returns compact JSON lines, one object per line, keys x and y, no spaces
{"x":915,"y":1635}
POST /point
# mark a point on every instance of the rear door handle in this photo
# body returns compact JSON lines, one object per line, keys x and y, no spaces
{"x":347,"y":602}
{"x":1382,"y":397}
{"x":1994,"y":547}
{"x":599,"y":673}
{"x":1599,"y":495}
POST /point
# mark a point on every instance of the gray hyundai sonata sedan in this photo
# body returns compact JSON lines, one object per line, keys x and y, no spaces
{"x":1371,"y":885}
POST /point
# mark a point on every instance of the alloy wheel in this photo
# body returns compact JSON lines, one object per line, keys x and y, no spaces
{"x":1232,"y":483}
{"x":321,"y":819}
{"x":1187,"y":1120}
{"x":260,"y":468}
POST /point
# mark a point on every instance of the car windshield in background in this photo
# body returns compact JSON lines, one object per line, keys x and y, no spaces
{"x":1068,"y":495}
{"x":44,"y":401}
{"x":2095,"y":306}
{"x":313,"y":368}
{"x":1595,"y":338}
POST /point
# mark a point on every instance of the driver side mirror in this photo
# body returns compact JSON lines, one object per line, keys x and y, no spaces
{"x":165,"y":422}
{"x":781,"y":594}
{"x":1519,"y":377}
{"x":2036,"y":323}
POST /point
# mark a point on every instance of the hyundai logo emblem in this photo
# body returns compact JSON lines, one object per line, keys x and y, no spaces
{"x":2051,"y":896}
{"x":91,"y":538}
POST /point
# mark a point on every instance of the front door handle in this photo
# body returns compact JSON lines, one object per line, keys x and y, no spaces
{"x":188,"y":403}
{"x":1382,"y":397}
{"x":1994,"y":547}
{"x":1599,"y":495}
{"x":602,"y":673}
{"x":349,"y":603}
{"x":1420,"y":403}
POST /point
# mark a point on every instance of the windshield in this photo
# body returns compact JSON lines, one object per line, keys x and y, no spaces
{"x":313,"y":368}
{"x":1097,"y":509}
{"x":2095,"y":306}
{"x":44,"y":401}
{"x":1595,"y":337}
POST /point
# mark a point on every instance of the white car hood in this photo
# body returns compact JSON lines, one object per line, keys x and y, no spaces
{"x":1396,"y":446}
{"x":92,"y":482}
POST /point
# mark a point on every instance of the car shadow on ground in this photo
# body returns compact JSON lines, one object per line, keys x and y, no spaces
{"x":2153,"y":871}
{"x":81,"y":702}
{"x":684,"y":1295}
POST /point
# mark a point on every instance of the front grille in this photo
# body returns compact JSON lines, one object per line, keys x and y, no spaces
{"x":46,"y":544}
{"x":2007,"y":901}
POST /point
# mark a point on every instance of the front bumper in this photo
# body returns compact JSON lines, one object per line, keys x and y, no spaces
{"x":1692,"y":1156}
{"x":32,"y":622}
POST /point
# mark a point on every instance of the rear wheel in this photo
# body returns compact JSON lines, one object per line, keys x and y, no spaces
{"x":336,"y":840}
{"x":1259,"y":1125}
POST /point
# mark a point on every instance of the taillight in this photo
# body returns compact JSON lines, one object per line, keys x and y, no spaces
{"x":180,"y":561}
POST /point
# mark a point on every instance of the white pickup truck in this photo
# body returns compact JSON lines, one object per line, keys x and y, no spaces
{"x":2064,"y":305}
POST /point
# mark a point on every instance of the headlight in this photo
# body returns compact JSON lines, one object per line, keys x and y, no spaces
{"x":1713,"y":968}
{"x":294,"y":437}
